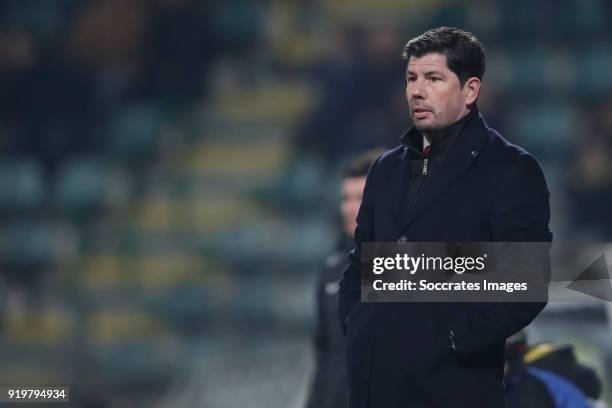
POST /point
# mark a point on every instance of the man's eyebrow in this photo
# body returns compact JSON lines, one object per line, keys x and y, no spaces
{"x":426,"y":73}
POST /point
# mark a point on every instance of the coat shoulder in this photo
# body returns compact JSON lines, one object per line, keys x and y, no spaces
{"x":505,"y":150}
{"x":389,"y":158}
{"x":383,"y":166}
{"x":511,"y":157}
{"x":510,"y":163}
{"x":392,"y":154}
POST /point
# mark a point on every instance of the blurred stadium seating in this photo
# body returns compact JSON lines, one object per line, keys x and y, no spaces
{"x":168,"y":175}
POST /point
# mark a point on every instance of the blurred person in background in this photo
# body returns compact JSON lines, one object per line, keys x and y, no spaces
{"x":452,"y":179}
{"x":547,"y":375}
{"x":329,"y":388}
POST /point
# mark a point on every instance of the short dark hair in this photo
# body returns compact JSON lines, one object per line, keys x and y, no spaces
{"x":465,"y":54}
{"x":359,"y":166}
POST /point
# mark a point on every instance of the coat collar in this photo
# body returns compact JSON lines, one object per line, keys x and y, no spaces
{"x":441,"y":140}
{"x":471,"y":140}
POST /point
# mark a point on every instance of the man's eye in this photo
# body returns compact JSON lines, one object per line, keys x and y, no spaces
{"x":434,"y":79}
{"x":411,"y":79}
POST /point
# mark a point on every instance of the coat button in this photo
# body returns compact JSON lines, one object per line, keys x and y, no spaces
{"x":402,"y":239}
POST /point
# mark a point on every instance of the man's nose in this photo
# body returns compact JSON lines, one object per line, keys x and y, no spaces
{"x":415,"y":90}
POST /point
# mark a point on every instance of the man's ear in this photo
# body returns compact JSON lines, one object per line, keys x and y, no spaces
{"x":471,"y":90}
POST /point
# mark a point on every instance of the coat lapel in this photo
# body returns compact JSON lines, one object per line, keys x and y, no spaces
{"x":400,"y":188}
{"x":460,"y":158}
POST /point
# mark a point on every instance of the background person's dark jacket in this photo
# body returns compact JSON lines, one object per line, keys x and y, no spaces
{"x":527,"y":391}
{"x":329,"y":388}
{"x":398,"y":354}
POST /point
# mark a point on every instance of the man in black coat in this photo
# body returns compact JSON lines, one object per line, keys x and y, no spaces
{"x":453,"y":179}
{"x":329,"y":388}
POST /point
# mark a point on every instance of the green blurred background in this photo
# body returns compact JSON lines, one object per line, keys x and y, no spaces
{"x":169,"y":174}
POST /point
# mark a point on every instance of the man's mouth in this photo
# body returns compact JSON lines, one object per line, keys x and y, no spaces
{"x":420,"y":113}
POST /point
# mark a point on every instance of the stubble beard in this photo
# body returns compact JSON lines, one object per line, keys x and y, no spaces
{"x":427,"y":129}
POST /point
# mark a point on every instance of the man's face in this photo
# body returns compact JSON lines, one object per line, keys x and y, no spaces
{"x":434,"y":93}
{"x":352,"y":193}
